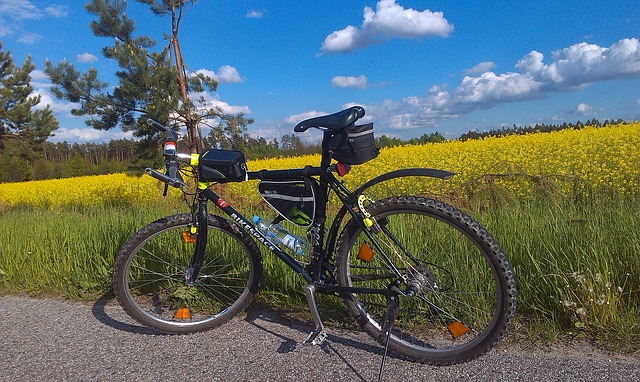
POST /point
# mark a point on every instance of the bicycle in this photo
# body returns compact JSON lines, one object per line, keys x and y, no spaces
{"x":419,"y":276}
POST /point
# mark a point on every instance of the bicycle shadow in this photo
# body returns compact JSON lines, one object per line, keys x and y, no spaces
{"x":290,"y":345}
{"x":98,"y":310}
{"x":253,"y":317}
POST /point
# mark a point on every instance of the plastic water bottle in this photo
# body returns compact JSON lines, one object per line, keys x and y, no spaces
{"x":280,"y":235}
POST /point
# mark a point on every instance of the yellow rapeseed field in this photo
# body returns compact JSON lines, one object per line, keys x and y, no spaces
{"x":81,"y":191}
{"x":564,"y":161}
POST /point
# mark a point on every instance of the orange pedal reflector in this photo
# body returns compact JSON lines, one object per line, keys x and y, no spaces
{"x":457,"y":328}
{"x":183,"y":313}
{"x":188,"y":238}
{"x":365,"y":253}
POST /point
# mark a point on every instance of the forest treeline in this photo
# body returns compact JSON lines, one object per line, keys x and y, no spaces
{"x":63,"y":159}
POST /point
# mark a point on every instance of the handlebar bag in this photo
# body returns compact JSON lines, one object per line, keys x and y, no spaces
{"x":353,"y":145}
{"x":222,"y":166}
{"x":294,"y":200}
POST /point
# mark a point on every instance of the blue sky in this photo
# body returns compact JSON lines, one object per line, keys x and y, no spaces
{"x":416,"y":66}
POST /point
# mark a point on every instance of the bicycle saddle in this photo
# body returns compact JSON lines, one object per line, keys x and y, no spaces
{"x":335,"y":121}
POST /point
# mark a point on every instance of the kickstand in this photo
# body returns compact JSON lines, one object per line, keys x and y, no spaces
{"x":318,"y":335}
{"x":385,"y":332}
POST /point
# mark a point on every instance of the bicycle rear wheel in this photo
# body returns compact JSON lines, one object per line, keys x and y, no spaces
{"x":150,"y":272}
{"x":465,"y":290}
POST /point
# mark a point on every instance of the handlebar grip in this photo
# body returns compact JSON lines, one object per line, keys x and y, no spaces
{"x":156,"y":125}
{"x":173,"y":171}
{"x":173,"y":182}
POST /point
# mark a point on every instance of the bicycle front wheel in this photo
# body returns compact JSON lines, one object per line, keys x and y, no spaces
{"x":462,"y":290}
{"x":149,"y":277}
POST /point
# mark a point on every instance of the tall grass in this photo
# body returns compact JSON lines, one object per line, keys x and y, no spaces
{"x":66,"y":252}
{"x":576,"y":264}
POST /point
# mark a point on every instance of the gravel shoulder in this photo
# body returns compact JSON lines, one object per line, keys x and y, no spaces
{"x":52,"y":339}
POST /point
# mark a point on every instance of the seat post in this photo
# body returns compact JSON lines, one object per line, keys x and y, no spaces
{"x":326,"y":155}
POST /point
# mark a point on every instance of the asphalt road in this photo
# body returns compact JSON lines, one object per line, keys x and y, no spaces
{"x":52,"y":340}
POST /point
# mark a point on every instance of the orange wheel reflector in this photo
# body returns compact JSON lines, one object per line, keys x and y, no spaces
{"x":188,"y":238}
{"x":457,"y":328}
{"x":183,"y":313}
{"x":365,"y":253}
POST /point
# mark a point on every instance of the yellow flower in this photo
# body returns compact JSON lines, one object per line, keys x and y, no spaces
{"x":566,"y":162}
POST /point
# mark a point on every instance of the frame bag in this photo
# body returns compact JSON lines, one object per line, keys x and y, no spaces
{"x":294,"y":200}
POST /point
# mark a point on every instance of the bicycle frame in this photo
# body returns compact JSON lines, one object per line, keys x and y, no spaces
{"x":318,"y":255}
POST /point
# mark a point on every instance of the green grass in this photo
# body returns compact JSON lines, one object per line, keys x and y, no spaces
{"x":576,"y":266}
{"x":576,"y":261}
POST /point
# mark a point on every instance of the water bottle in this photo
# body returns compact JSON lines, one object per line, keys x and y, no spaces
{"x":280,"y":235}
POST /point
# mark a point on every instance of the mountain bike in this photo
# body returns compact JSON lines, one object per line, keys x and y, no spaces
{"x":421,"y":277}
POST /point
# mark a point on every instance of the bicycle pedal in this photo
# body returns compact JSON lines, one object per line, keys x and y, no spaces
{"x":315,"y":338}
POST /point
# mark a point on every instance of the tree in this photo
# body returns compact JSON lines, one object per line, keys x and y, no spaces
{"x":20,"y":120}
{"x":230,"y":135}
{"x":152,"y":81}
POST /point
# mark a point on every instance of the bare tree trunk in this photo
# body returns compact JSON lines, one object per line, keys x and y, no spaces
{"x":193,"y":141}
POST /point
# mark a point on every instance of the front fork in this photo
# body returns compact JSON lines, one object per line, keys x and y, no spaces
{"x":201,"y":226}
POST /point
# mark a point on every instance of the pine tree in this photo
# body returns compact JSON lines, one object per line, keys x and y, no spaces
{"x":152,"y":81}
{"x":20,"y":120}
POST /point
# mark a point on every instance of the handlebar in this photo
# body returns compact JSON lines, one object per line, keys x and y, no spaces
{"x":171,"y":136}
{"x":171,"y":181}
{"x":172,"y":167}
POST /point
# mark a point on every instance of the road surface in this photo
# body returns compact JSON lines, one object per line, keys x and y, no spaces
{"x":57,"y":340}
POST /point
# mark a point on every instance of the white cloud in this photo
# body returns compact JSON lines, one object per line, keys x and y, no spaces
{"x":255,"y":14}
{"x":4,"y":28}
{"x":480,"y":68}
{"x":20,"y":9}
{"x":86,"y":58}
{"x":226,"y":74}
{"x":586,"y":110}
{"x":583,"y":108}
{"x":16,"y":12}
{"x":37,"y":76}
{"x":492,"y":88}
{"x":389,"y":20}
{"x":571,"y":69}
{"x":296,"y":118}
{"x":58,"y":107}
{"x":207,"y":73}
{"x":582,"y":64}
{"x":88,"y":134}
{"x":57,"y":11}
{"x":26,"y":10}
{"x":29,"y":38}
{"x":213,"y":100}
{"x":359,"y":82}
{"x":41,"y":85}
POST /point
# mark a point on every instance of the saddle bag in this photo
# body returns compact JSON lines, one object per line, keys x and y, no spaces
{"x":353,"y":145}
